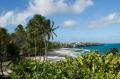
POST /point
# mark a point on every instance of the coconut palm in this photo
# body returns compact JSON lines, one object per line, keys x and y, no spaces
{"x":20,"y":36}
{"x":34,"y":33}
{"x":3,"y":46}
{"x":41,"y":30}
{"x":49,"y":33}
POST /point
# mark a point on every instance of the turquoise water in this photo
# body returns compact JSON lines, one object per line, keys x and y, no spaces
{"x":103,"y":48}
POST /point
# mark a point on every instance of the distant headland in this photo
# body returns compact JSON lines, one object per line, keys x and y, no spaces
{"x":81,"y":44}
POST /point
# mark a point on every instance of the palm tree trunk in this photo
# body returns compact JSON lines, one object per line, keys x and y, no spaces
{"x":1,"y":67}
{"x":45,"y":56}
{"x":46,"y":50}
{"x":35,"y":49}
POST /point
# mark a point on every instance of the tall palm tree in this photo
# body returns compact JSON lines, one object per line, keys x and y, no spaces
{"x":34,"y":31}
{"x":20,"y":36}
{"x":42,"y":30}
{"x":3,"y":46}
{"x":48,"y":34}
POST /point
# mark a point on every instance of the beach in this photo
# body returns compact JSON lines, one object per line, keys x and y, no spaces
{"x":60,"y":54}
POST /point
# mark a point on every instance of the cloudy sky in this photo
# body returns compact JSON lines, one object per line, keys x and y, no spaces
{"x":78,"y":20}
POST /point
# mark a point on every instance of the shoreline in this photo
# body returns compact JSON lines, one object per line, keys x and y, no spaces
{"x":60,"y":54}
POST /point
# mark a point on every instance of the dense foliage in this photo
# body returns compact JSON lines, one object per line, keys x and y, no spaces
{"x":32,"y":39}
{"x":3,"y":47}
{"x":89,"y":66}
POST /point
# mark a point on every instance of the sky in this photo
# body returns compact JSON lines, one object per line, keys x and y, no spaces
{"x":78,"y":20}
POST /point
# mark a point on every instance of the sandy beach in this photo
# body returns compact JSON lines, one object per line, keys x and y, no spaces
{"x":59,"y":54}
{"x":55,"y":55}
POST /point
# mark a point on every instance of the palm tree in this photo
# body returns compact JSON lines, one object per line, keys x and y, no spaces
{"x":34,"y":32}
{"x":48,"y":34}
{"x":42,"y":30}
{"x":20,"y":36}
{"x":3,"y":46}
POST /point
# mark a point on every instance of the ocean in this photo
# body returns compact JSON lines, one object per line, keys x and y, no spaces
{"x":102,"y":48}
{"x":75,"y":52}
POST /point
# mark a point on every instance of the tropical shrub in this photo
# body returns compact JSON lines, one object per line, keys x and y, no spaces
{"x":113,"y":50}
{"x":89,"y":66}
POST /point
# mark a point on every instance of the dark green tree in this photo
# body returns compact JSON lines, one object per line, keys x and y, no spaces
{"x":113,"y":51}
{"x":20,"y":37}
{"x":3,"y":47}
{"x":39,"y":31}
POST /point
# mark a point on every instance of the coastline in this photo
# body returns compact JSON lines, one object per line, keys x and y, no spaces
{"x":60,"y":54}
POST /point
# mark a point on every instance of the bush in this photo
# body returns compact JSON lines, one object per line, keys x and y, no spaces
{"x":113,"y":50}
{"x":90,"y":66}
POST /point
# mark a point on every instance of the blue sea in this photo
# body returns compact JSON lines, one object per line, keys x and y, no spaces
{"x":102,"y":48}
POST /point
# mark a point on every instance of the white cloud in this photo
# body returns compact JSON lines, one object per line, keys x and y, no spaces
{"x":112,"y":18}
{"x":52,"y":7}
{"x":70,"y":23}
{"x":44,"y":7}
